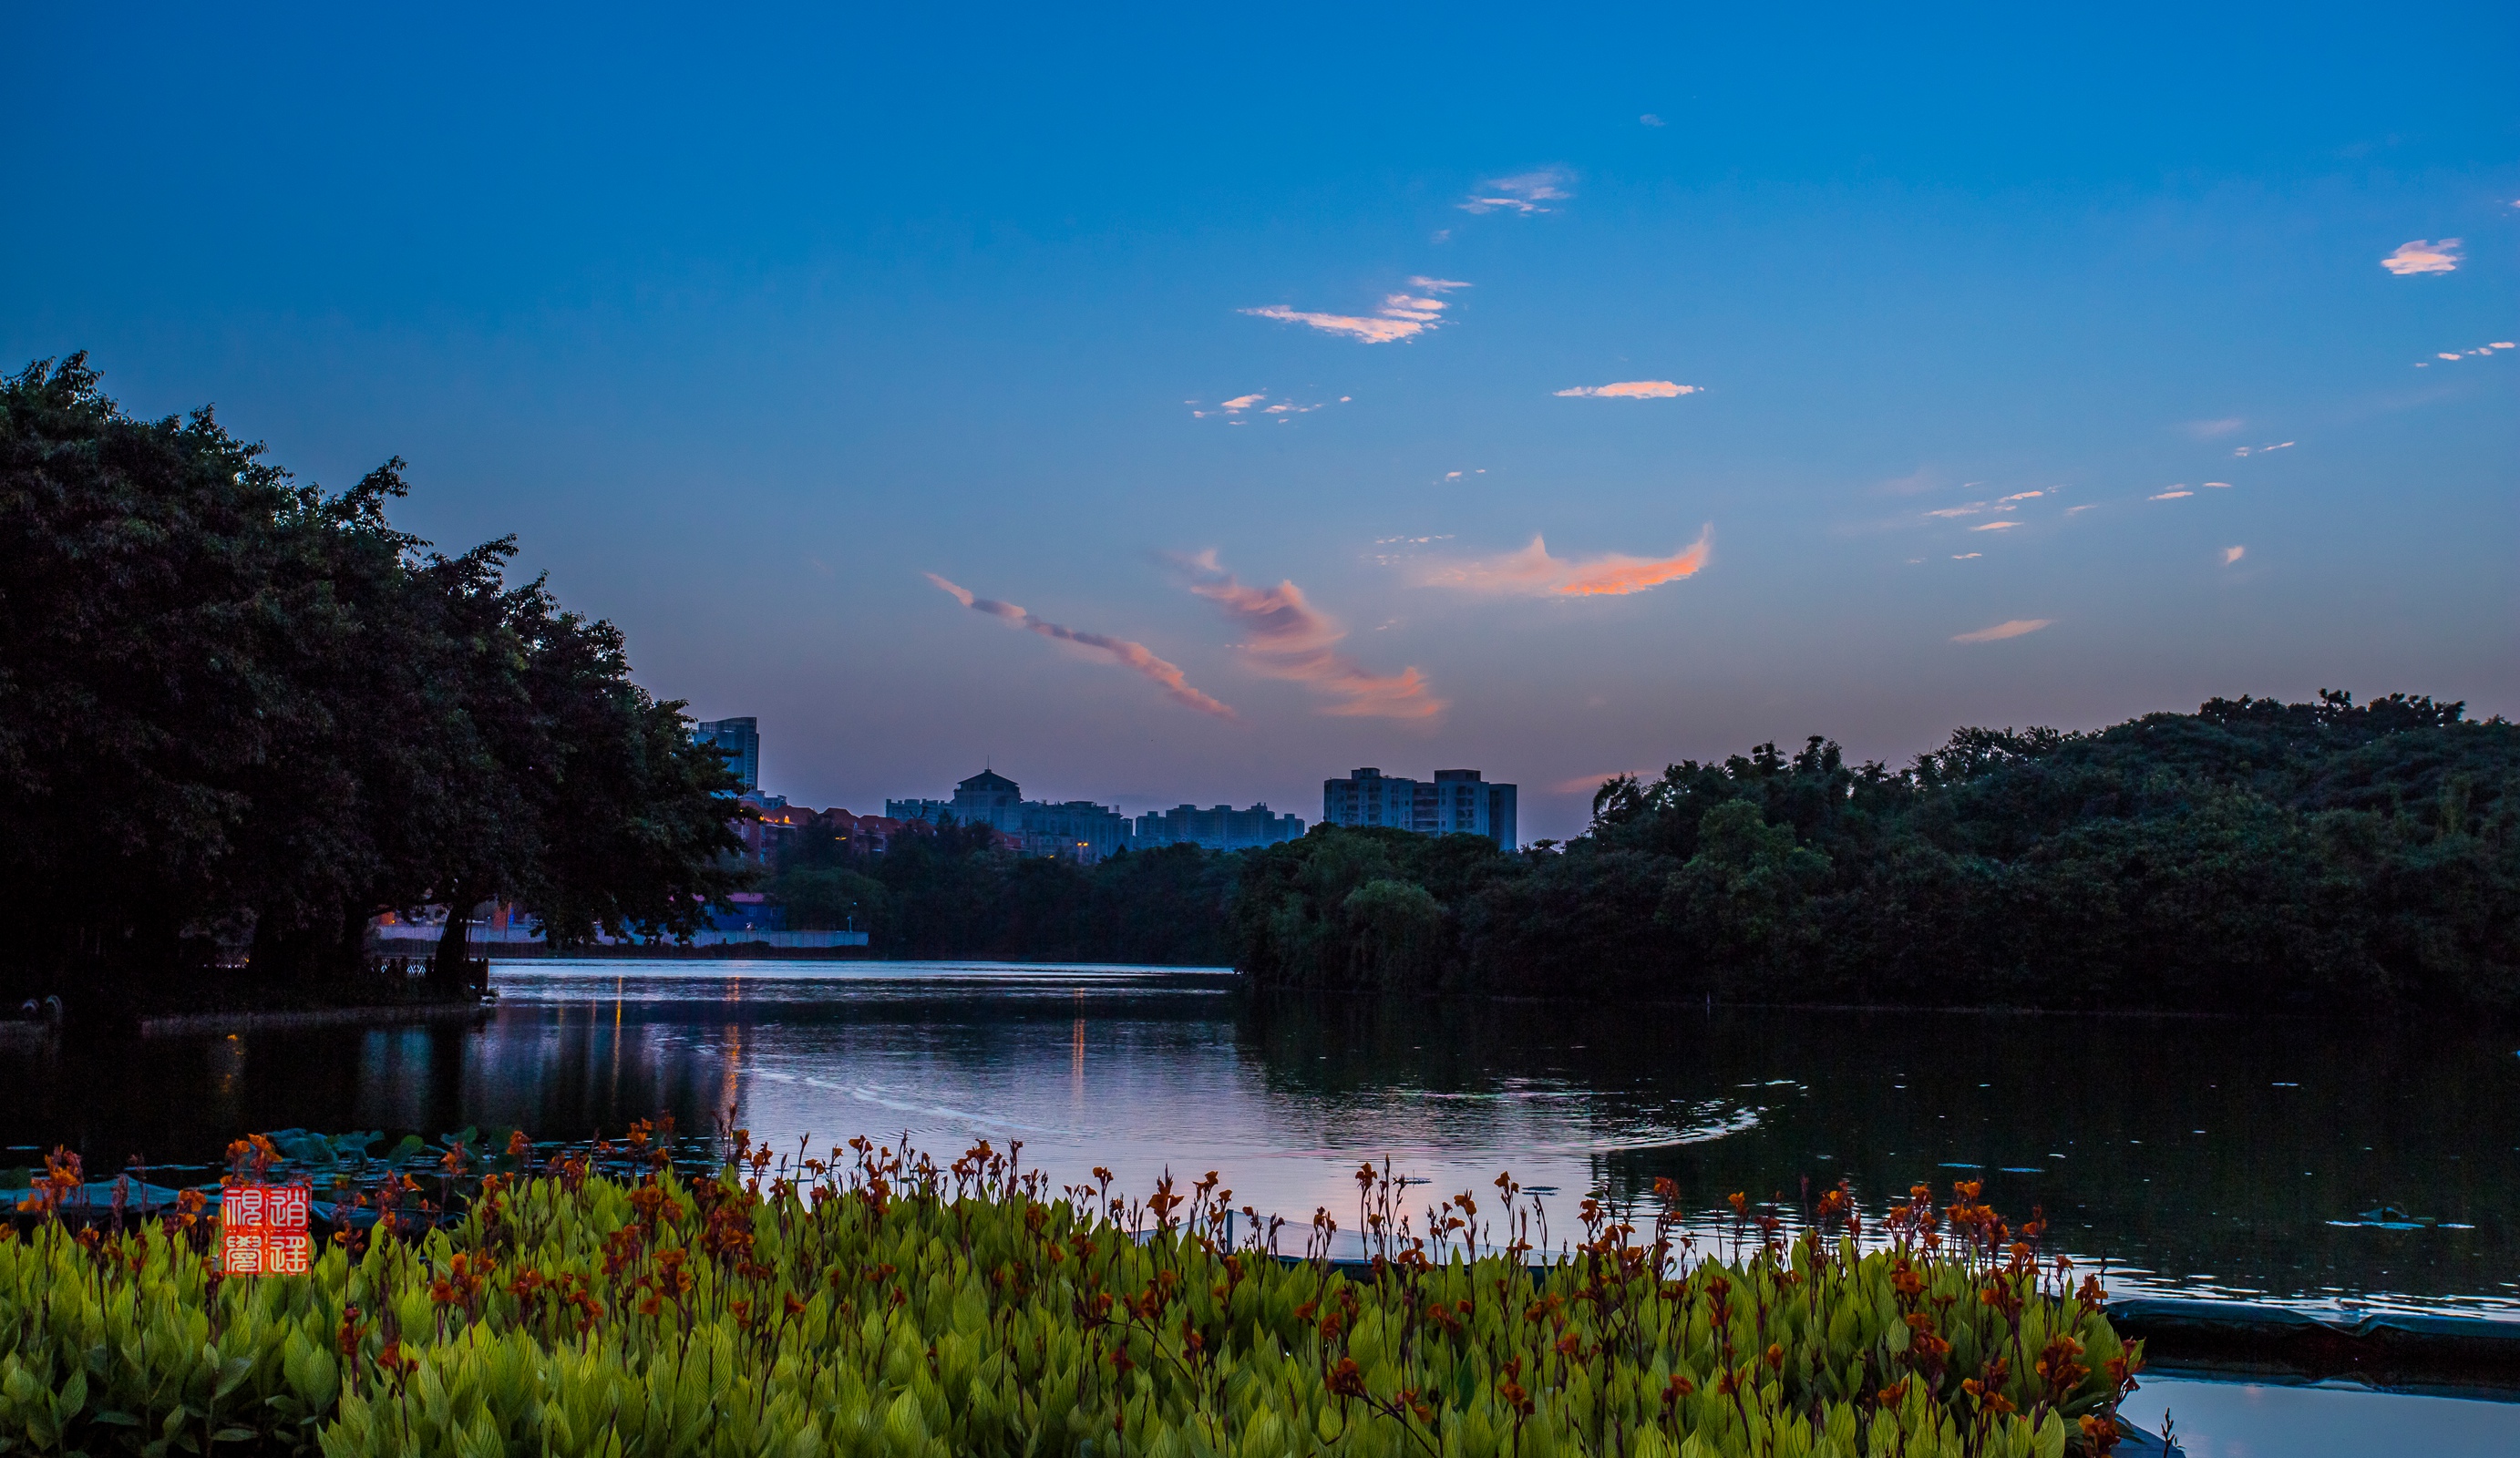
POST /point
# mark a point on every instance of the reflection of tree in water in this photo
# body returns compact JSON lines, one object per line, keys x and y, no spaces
{"x":2420,"y":1118}
{"x":2424,"y":1119}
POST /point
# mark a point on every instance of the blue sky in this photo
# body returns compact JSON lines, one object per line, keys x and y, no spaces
{"x":749,"y":323}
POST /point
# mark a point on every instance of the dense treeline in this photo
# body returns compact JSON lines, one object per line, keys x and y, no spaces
{"x":239,"y":715}
{"x":951,"y":894}
{"x":2254,"y":854}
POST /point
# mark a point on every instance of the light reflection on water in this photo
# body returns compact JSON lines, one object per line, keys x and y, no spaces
{"x":2206,"y":1158}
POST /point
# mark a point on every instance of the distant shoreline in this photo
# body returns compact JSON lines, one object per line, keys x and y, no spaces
{"x":178,"y":1025}
{"x":531,"y":952}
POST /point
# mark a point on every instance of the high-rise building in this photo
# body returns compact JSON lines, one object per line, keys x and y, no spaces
{"x":1454,"y":802}
{"x":740,"y":739}
{"x":1221,"y":829}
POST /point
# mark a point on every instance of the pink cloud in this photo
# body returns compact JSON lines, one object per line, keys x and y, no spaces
{"x":1994,"y":526}
{"x":1533,"y":572}
{"x":2172,"y":495}
{"x":1133,"y":656}
{"x":1370,"y":330}
{"x":2001,"y":630}
{"x":1523,"y":193}
{"x":1635,"y":389}
{"x":2422,"y":256}
{"x":2232,"y":554}
{"x":1287,"y":637}
{"x":1401,"y":315}
{"x":1586,"y":784}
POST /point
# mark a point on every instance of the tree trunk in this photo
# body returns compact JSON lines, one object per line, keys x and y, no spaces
{"x":446,"y":970}
{"x":349,"y":957}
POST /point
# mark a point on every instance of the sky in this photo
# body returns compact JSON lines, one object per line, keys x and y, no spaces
{"x":1169,"y":406}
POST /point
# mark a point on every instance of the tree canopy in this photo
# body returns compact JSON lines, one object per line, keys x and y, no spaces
{"x":2253,"y":854}
{"x":953,"y":892}
{"x":238,"y":712}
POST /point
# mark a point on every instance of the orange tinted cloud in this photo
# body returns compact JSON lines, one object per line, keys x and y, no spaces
{"x":1370,"y":330}
{"x":2001,"y":630}
{"x":1133,"y":656}
{"x":1586,"y":784}
{"x":1401,"y":316}
{"x":2422,"y":256}
{"x":1533,"y":572}
{"x":2232,"y":554}
{"x":1285,"y":637}
{"x":1635,"y":389}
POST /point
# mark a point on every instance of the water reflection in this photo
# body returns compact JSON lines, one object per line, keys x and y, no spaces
{"x":2204,"y":1157}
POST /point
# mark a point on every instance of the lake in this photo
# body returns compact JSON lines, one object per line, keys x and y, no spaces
{"x":2346,"y":1164}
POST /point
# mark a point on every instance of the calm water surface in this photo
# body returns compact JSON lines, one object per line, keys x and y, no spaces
{"x":2202,"y":1157}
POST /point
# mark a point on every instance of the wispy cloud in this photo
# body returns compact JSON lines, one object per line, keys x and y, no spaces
{"x":1962,"y":557}
{"x":1532,"y":572}
{"x":2085,"y":506}
{"x":1287,"y":637}
{"x":2001,"y":630}
{"x":2480,"y":352}
{"x":2219,"y":485}
{"x":2262,"y":450}
{"x":1584,"y":784}
{"x":1650,"y":120}
{"x":1133,"y":656}
{"x":1243,"y":408}
{"x":1635,"y":389}
{"x":2011,"y":503}
{"x":2232,"y":554}
{"x":1524,"y":193}
{"x":2172,"y":495}
{"x":1401,"y":315}
{"x":2423,"y":257}
{"x":1994,"y":526}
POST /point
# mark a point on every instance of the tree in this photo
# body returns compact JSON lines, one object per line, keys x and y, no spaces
{"x":241,"y":712}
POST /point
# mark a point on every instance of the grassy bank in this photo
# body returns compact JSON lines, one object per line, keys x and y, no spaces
{"x":878,"y":1304}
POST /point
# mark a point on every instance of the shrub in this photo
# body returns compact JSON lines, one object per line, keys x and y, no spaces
{"x":877,"y":1304}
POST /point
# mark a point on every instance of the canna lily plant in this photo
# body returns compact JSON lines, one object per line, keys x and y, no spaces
{"x":877,"y":1304}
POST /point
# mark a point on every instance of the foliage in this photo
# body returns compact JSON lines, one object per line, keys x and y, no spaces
{"x":238,"y":713}
{"x":952,"y":893}
{"x":2253,"y":854}
{"x":879,"y":1304}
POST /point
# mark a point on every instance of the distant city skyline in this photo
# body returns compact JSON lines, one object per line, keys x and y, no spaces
{"x":1174,"y":418}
